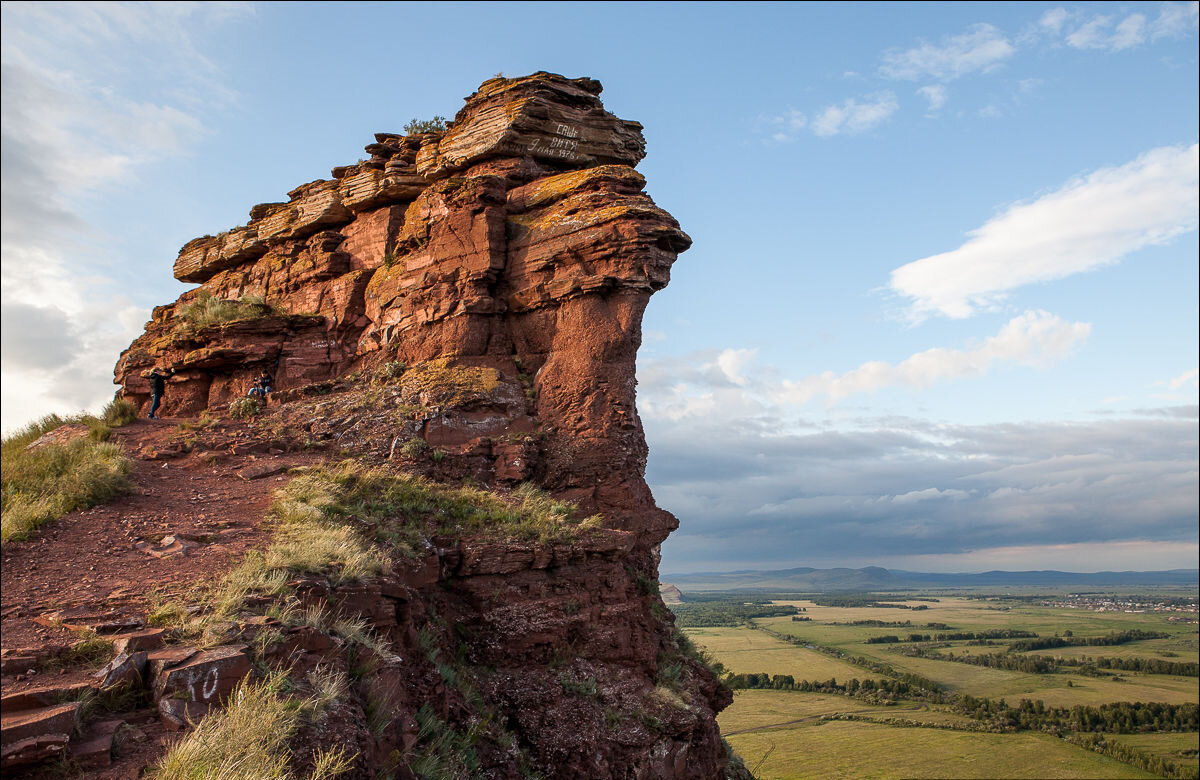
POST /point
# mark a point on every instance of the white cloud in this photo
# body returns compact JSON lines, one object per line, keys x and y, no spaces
{"x":982,"y":48}
{"x":787,"y":125}
{"x":71,"y":132}
{"x":1091,"y":221}
{"x":1188,"y":377}
{"x":1052,"y":21}
{"x":851,"y":116}
{"x":928,"y":494}
{"x":935,"y":94}
{"x":1095,"y":33}
{"x":1176,"y":20}
{"x":1109,"y":32}
{"x":698,"y":385}
{"x":1033,"y":338}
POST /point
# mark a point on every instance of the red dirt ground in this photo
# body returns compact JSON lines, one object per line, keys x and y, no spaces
{"x":88,"y":558}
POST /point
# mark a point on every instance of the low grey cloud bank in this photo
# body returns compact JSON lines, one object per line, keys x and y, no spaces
{"x":754,"y":485}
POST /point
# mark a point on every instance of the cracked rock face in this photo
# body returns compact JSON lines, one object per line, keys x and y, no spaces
{"x":519,"y":241}
{"x":503,"y":266}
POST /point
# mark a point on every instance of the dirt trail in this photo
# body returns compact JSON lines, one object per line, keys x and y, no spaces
{"x":90,"y":558}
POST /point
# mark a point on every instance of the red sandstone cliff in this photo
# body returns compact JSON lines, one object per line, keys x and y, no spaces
{"x":500,"y":270}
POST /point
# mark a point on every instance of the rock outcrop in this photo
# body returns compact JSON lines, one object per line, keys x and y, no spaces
{"x":496,"y":274}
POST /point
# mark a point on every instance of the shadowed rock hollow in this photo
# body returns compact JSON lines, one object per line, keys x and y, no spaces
{"x":496,"y":273}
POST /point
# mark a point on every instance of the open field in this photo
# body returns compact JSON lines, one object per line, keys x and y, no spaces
{"x":822,"y":749}
{"x":753,"y":710}
{"x":788,"y":734}
{"x":747,"y":650}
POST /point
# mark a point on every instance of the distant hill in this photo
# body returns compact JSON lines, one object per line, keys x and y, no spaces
{"x":808,"y":579}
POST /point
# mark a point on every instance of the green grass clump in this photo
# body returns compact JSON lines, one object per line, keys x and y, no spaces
{"x":44,"y":484}
{"x":205,"y":310}
{"x":248,"y":740}
{"x":440,"y":751}
{"x":406,"y":509}
{"x":245,"y":408}
{"x":119,"y":412}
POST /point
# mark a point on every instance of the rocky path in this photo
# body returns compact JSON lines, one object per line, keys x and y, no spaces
{"x":197,"y":504}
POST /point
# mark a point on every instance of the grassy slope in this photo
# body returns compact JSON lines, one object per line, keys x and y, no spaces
{"x":44,"y":484}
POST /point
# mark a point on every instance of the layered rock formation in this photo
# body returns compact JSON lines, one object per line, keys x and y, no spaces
{"x":499,"y":270}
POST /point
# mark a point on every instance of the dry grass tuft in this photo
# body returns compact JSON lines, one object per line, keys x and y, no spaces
{"x":249,"y":739}
{"x":44,"y":484}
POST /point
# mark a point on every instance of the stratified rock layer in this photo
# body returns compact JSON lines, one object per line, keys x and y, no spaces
{"x":502,"y":267}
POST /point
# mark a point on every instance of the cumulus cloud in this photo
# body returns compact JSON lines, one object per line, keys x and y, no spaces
{"x":71,"y":131}
{"x":1033,"y":338}
{"x":854,"y":116}
{"x":982,"y":48}
{"x":729,"y":381}
{"x":1091,"y":221}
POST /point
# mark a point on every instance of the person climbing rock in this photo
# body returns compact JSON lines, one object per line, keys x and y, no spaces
{"x":158,"y":386}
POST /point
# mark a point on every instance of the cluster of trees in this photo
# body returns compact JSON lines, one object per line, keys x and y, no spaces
{"x":1122,"y":752}
{"x":995,"y":633}
{"x":727,"y":613}
{"x":1045,"y":664}
{"x":863,"y":601}
{"x":907,"y":686}
{"x":1116,"y":718}
{"x":1108,"y":640}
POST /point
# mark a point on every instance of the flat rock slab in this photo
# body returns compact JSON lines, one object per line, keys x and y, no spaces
{"x":210,"y":676}
{"x":88,"y":619}
{"x":262,"y":470}
{"x":33,"y":750}
{"x":24,"y":724}
{"x":46,"y":696}
{"x":132,"y":642}
{"x":61,"y":435}
{"x":94,"y":751}
{"x":16,"y":664}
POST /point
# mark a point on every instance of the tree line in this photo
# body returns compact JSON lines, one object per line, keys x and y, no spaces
{"x":1108,"y":640}
{"x":995,"y":633}
{"x":1047,"y":664}
{"x":727,"y":613}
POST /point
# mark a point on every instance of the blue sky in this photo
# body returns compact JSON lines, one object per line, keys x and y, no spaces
{"x":941,"y":311}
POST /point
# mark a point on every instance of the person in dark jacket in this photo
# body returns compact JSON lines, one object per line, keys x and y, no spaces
{"x":158,"y":386}
{"x":262,"y":386}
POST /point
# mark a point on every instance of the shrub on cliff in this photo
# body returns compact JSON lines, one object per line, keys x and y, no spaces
{"x":205,"y":310}
{"x":43,"y":484}
{"x":435,"y":125}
